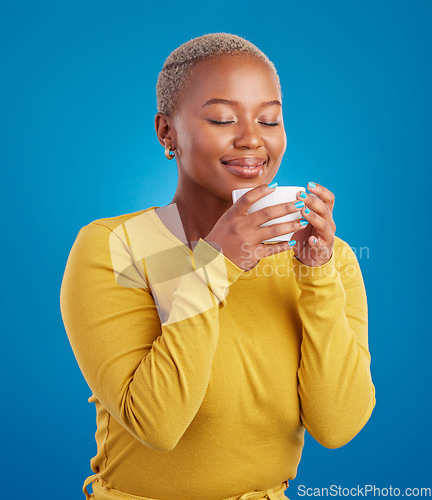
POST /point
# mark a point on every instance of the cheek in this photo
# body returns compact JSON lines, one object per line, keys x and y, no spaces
{"x":207,"y":142}
{"x":278,"y":144}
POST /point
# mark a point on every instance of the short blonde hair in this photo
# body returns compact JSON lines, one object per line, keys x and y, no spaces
{"x":178,"y":66}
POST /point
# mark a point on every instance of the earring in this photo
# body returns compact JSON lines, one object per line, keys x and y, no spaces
{"x":169,"y":155}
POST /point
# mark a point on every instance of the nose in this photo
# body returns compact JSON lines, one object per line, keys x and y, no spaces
{"x":248,"y":135}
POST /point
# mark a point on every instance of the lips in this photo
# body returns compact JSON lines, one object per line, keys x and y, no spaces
{"x":245,"y":161}
{"x":246,"y":166}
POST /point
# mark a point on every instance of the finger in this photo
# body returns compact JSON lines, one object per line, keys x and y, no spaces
{"x":323,"y":228}
{"x":275,"y":211}
{"x":322,"y":192}
{"x":320,"y":251}
{"x":274,"y":248}
{"x":281,"y":228}
{"x":319,"y":207}
{"x":250,"y":197}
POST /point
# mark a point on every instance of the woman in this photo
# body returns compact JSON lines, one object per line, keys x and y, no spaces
{"x":208,"y":352}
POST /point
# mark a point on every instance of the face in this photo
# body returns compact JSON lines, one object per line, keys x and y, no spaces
{"x":228,"y":130}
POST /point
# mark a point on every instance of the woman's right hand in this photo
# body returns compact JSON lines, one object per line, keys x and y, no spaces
{"x":239,"y":235}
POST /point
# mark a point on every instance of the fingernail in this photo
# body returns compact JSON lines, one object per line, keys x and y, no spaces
{"x":307,"y":210}
{"x":303,"y":194}
{"x":292,"y":243}
{"x":299,"y":204}
{"x":272,"y":185}
{"x":312,"y":184}
{"x":303,"y":222}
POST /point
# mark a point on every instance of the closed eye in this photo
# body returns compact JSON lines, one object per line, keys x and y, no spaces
{"x":219,"y":123}
{"x":225,"y":123}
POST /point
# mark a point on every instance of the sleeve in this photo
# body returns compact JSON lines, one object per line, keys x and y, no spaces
{"x":150,"y":375}
{"x":336,"y":392}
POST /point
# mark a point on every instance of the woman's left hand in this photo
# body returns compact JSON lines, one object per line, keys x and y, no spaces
{"x":314,"y":243}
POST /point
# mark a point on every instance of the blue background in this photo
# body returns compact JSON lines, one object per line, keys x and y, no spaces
{"x":78,"y":143}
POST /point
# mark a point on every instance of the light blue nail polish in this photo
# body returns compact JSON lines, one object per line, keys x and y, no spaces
{"x":292,"y":243}
{"x":273,"y":185}
{"x":303,"y":194}
{"x":312,"y":184}
{"x":307,"y":211}
{"x":299,"y":204}
{"x":303,"y":222}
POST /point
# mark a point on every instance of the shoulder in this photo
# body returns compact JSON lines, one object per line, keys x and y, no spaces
{"x":112,"y":223}
{"x":114,"y":244}
{"x":100,"y":237}
{"x":118,"y":227}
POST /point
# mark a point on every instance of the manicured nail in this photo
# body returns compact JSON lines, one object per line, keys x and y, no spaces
{"x":272,"y":185}
{"x":312,"y":184}
{"x":303,"y":222}
{"x":292,"y":243}
{"x":303,"y":194}
{"x":299,"y":204}
{"x":307,"y":210}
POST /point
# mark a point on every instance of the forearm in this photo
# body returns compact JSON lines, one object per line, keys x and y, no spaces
{"x":167,"y":389}
{"x":335,"y":386}
{"x":170,"y":384}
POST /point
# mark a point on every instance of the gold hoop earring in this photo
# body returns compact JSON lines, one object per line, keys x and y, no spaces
{"x":169,"y":155}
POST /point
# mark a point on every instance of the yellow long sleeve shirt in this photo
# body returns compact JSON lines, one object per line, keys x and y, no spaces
{"x":205,"y":376}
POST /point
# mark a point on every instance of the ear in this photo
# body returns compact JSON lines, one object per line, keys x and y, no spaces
{"x":164,"y":129}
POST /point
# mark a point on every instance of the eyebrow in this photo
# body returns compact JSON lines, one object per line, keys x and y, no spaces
{"x":235,"y":103}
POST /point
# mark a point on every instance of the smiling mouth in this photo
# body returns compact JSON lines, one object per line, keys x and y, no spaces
{"x":246,"y":162}
{"x":245,"y":167}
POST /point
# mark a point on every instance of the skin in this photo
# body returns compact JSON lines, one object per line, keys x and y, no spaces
{"x":203,"y":194}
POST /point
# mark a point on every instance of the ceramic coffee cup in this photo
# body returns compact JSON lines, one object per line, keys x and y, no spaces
{"x":282,"y":194}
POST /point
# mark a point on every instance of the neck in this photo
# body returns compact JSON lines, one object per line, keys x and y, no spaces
{"x":199,"y":211}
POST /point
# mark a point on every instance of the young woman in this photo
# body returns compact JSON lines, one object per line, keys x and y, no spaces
{"x":207,"y":351}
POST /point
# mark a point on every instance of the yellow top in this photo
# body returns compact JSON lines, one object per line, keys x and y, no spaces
{"x":205,"y":376}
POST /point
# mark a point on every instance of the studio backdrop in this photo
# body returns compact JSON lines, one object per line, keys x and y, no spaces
{"x":78,"y":143}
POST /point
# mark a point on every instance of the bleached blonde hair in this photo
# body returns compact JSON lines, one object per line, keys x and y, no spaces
{"x":177,"y":69}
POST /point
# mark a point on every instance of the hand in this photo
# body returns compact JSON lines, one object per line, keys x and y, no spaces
{"x":240,"y":236}
{"x":314,"y":243}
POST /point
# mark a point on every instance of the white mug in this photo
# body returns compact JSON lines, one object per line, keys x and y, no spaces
{"x":282,"y":194}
